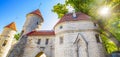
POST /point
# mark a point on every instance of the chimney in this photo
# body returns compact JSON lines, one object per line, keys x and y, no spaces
{"x":74,"y":14}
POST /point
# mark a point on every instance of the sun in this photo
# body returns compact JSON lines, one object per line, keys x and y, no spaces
{"x":104,"y":11}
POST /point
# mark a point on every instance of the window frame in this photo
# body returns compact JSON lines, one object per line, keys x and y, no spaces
{"x":46,"y":41}
{"x":39,"y":41}
{"x":61,"y":40}
{"x":95,"y":24}
{"x":61,"y":27}
{"x":4,"y":43}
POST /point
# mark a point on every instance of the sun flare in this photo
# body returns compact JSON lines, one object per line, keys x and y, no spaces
{"x":104,"y":11}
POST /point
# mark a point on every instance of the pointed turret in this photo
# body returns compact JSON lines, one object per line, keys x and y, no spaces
{"x":12,"y":26}
{"x":33,"y":22}
{"x":6,"y":38}
{"x":37,"y":12}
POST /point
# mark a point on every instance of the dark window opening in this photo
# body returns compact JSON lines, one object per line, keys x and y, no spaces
{"x":5,"y":42}
{"x":39,"y":40}
{"x":37,"y":23}
{"x":95,"y":24}
{"x":61,"y":27}
{"x":61,"y":40}
{"x":47,"y":40}
{"x":97,"y":38}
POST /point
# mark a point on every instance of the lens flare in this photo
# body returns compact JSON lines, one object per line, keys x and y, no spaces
{"x":104,"y":11}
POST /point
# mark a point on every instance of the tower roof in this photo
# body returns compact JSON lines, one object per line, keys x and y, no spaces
{"x":11,"y":26}
{"x":69,"y":17}
{"x":37,"y":12}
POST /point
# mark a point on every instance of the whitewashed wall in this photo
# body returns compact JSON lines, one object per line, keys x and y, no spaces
{"x":7,"y":34}
{"x":32,"y":48}
{"x":75,"y":25}
{"x":69,"y":32}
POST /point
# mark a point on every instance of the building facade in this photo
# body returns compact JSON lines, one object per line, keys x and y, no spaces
{"x":74,"y":35}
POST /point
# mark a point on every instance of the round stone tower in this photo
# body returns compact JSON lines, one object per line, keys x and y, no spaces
{"x":77,"y":36}
{"x":33,"y":21}
{"x":6,"y":39}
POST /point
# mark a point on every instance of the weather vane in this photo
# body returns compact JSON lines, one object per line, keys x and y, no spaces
{"x":39,"y":5}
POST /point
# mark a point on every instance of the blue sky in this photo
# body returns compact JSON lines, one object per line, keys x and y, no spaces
{"x":16,"y":10}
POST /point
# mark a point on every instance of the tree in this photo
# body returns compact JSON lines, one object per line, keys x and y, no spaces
{"x":17,"y":36}
{"x":90,"y":6}
{"x":60,"y":9}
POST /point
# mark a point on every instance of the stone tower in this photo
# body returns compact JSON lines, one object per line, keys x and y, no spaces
{"x":6,"y":39}
{"x":77,"y":36}
{"x":33,"y":21}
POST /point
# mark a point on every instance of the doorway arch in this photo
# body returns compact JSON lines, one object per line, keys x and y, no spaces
{"x":41,"y":54}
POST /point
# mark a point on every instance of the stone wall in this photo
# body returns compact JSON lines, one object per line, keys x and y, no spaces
{"x":82,"y":25}
{"x":6,"y":41}
{"x":32,"y":22}
{"x":69,"y":32}
{"x":18,"y":49}
{"x":32,"y":48}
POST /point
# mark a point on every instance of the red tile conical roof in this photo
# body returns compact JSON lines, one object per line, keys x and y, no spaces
{"x":69,"y":17}
{"x":12,"y":26}
{"x":37,"y":12}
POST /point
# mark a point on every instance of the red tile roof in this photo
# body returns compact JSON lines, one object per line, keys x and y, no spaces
{"x":12,"y":26}
{"x":37,"y":12}
{"x":69,"y":17}
{"x":41,"y":33}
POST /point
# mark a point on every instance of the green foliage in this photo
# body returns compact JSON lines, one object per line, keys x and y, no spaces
{"x":60,"y":9}
{"x":88,"y":7}
{"x":114,"y":26}
{"x":109,"y":45}
{"x":17,"y":36}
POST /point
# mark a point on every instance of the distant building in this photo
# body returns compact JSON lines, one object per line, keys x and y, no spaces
{"x":74,"y":35}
